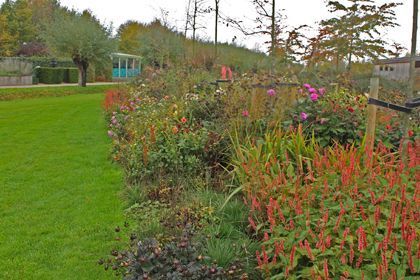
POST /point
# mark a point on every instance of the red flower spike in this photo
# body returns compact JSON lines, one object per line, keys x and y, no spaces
{"x":343,"y":259}
{"x":361,"y":239}
{"x":308,"y":250}
{"x":328,"y":241}
{"x":252,"y":223}
{"x":384,"y":262}
{"x":259,"y":261}
{"x":380,"y":272}
{"x":292,"y":255}
{"x":266,"y":237}
{"x":265,"y":256}
{"x":326,"y":273}
{"x":377,"y":214}
{"x":359,"y":261}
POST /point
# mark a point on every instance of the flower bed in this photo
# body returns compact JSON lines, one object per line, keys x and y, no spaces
{"x":315,"y":204}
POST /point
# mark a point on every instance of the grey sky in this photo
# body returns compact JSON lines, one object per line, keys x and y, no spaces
{"x":298,"y":12}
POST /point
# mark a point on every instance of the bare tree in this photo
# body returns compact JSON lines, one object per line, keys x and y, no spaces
{"x":216,"y":25}
{"x":267,"y":22}
{"x":187,"y":18}
{"x":198,"y":10}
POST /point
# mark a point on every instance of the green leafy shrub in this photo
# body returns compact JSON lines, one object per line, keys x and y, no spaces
{"x":147,"y":217}
{"x":332,"y":117}
{"x":180,"y":259}
{"x":339,"y":117}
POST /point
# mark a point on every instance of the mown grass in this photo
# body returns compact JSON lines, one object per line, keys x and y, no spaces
{"x":36,"y":92}
{"x":58,"y":189}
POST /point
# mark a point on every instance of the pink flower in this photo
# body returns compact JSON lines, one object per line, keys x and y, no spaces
{"x":271,"y":92}
{"x":312,"y":90}
{"x":245,"y":113}
{"x":322,"y":91}
{"x":184,"y":120}
{"x":110,"y":133}
{"x":314,"y":97}
{"x":307,"y":86}
{"x":303,"y":116}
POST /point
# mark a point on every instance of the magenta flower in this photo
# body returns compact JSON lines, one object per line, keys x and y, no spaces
{"x":307,"y":86}
{"x":322,"y":91}
{"x":312,"y":90}
{"x":245,"y":113}
{"x":271,"y":92}
{"x":314,"y":97}
{"x":303,"y":116}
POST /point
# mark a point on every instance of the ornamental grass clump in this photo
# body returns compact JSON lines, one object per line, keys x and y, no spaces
{"x":337,"y":213}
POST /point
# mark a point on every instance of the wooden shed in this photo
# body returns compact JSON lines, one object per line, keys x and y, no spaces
{"x":397,"y":69}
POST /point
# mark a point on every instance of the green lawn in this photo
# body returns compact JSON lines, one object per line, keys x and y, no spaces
{"x":36,"y":92}
{"x":59,"y":191}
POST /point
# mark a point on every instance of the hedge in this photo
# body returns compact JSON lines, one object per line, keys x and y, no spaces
{"x":56,"y":75}
{"x":71,"y":75}
{"x":46,"y":61}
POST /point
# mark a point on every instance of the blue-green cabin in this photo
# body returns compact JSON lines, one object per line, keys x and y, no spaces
{"x":125,"y":66}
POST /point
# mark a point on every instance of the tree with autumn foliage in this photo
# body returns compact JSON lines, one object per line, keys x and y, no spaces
{"x":128,"y":35}
{"x":356,"y":30}
{"x":16,"y":26}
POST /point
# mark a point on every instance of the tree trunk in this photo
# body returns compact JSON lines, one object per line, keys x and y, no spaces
{"x":194,"y":27}
{"x":273,"y":28}
{"x":83,"y":66}
{"x":412,"y":80}
{"x":216,"y":25}
{"x":187,"y":20}
{"x":350,"y":56}
{"x":350,"y":62}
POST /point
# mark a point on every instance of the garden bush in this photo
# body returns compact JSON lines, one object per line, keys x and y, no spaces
{"x":339,"y":117}
{"x":340,"y":212}
{"x":56,"y":75}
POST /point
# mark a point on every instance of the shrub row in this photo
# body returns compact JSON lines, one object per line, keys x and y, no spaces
{"x":49,"y":75}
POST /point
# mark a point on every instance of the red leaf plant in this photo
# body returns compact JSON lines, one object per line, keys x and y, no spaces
{"x":355,"y":217}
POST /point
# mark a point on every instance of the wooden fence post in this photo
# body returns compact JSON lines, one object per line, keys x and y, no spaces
{"x":371,"y":118}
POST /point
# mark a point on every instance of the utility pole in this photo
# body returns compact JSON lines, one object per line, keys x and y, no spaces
{"x":411,"y":81}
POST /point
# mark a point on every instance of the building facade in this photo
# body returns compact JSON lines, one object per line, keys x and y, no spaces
{"x":397,"y":69}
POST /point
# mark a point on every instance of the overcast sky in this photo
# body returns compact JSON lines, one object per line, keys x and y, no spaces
{"x":298,"y":12}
